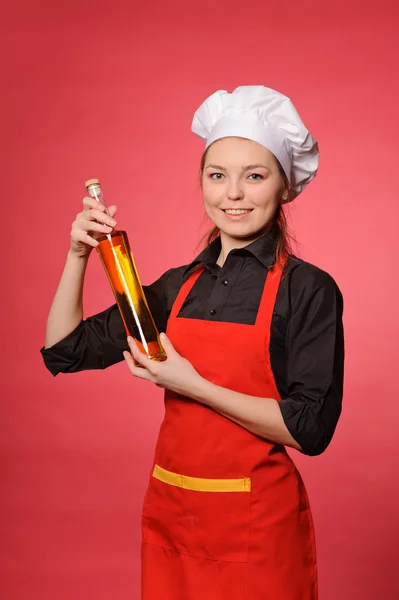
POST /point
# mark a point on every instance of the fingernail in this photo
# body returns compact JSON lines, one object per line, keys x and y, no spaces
{"x":163,"y":336}
{"x":113,"y":223}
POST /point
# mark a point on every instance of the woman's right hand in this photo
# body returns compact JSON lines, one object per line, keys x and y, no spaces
{"x":88,"y":227}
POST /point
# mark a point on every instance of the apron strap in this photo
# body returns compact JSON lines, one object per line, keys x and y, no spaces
{"x":269,"y":296}
{"x":184,"y":292}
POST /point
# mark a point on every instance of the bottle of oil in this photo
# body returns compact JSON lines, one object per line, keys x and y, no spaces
{"x":119,"y":265}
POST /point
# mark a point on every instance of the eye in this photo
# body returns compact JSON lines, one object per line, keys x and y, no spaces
{"x":255,"y":176}
{"x":218,"y":176}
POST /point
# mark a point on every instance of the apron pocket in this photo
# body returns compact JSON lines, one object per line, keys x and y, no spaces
{"x":204,"y":518}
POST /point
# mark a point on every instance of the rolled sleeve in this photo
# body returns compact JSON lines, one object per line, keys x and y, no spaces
{"x":96,"y":343}
{"x":99,"y":341}
{"x":315,"y":361}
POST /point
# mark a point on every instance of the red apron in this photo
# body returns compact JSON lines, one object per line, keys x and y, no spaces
{"x":226,"y":514}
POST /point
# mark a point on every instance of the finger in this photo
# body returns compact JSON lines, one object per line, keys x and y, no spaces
{"x":93,"y":204}
{"x":167,"y":344}
{"x":79,"y":235}
{"x":86,"y":239}
{"x":113,"y":210}
{"x":91,"y":226}
{"x":89,"y":202}
{"x":141,"y":358}
{"x":95,"y":215}
{"x":130,"y":362}
{"x":134,"y":369}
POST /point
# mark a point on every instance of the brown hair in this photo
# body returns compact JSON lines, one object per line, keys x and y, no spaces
{"x":284,"y":237}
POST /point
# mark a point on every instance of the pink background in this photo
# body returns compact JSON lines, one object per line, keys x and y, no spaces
{"x":108,"y":90}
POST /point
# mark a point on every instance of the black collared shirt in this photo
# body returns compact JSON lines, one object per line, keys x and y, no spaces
{"x":306,"y":347}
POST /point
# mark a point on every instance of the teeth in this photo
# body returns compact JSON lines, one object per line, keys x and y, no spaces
{"x":236,"y":211}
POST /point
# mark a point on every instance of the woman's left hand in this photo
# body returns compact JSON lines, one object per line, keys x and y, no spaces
{"x":175,"y":373}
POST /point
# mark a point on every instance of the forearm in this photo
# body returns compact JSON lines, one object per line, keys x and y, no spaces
{"x":261,"y":416}
{"x":66,"y":311}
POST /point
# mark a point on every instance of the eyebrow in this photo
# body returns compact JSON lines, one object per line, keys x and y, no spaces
{"x":245,"y":168}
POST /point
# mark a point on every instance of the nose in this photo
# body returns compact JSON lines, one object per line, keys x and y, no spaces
{"x":234,"y":191}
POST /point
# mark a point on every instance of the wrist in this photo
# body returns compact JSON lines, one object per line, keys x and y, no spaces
{"x":74,"y":257}
{"x":200,"y":391}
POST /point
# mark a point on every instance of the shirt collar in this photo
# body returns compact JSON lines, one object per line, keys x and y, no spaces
{"x":263,"y":249}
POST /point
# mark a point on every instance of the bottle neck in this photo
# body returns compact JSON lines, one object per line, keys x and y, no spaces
{"x":96,"y":192}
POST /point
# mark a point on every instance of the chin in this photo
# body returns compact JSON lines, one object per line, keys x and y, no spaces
{"x":243,"y":231}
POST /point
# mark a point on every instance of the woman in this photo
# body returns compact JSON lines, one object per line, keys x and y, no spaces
{"x":255,"y":364}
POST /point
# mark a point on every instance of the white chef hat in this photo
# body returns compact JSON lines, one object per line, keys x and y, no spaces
{"x":261,"y":114}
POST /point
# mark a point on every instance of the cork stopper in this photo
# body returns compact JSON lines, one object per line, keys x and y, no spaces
{"x":92,"y":182}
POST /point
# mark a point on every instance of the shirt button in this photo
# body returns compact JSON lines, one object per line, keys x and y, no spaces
{"x":212,"y":311}
{"x":225,"y":282}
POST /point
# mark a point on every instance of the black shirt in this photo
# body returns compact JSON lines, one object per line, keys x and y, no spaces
{"x":306,"y":347}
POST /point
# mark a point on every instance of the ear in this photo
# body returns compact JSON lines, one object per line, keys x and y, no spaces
{"x":286,"y":195}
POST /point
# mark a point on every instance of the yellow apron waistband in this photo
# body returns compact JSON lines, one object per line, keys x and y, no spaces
{"x":197,"y":484}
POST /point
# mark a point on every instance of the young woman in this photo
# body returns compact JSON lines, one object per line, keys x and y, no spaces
{"x":255,"y":364}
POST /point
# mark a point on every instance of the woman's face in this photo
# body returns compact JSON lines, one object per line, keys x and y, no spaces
{"x":242,"y":187}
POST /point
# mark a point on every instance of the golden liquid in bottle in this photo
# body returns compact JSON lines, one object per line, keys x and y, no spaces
{"x":118,"y":262}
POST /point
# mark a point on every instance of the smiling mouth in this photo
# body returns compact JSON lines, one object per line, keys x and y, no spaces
{"x":237,"y":211}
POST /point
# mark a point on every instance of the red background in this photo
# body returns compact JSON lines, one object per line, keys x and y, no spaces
{"x":108,"y":90}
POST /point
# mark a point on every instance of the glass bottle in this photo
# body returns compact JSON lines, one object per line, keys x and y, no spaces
{"x":117,"y":259}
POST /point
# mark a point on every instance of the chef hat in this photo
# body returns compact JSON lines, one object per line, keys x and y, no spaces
{"x":261,"y":114}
